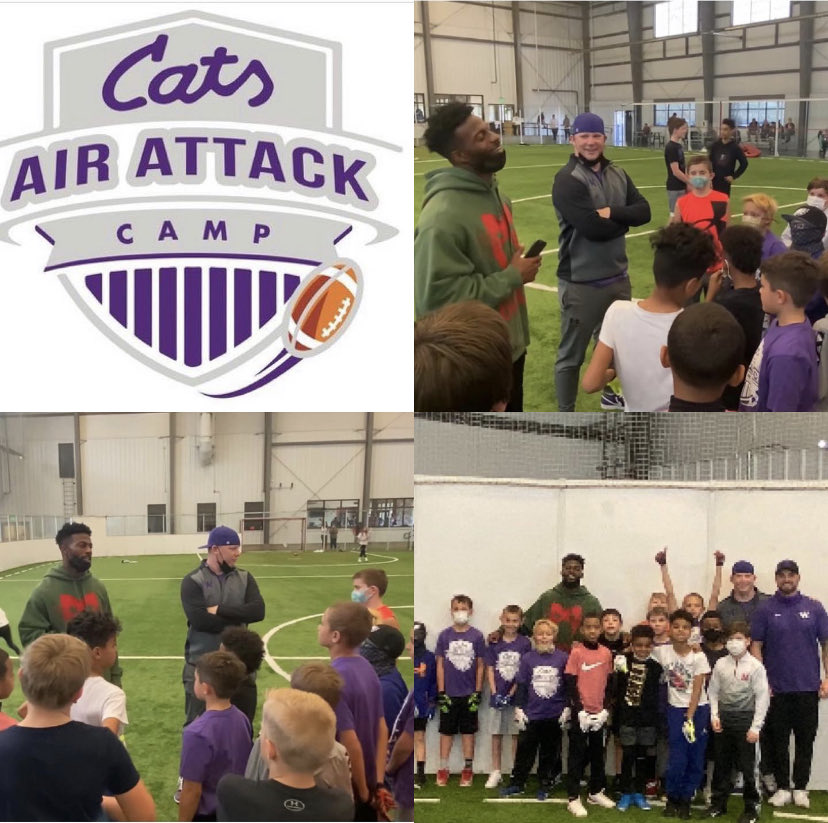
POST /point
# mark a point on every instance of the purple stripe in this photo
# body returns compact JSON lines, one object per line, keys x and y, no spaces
{"x":344,"y":234}
{"x":143,"y":305}
{"x":292,"y":282}
{"x":243,"y":298}
{"x":45,"y":236}
{"x":267,"y":257}
{"x":167,"y":305}
{"x":95,"y":285}
{"x":218,"y":312}
{"x":118,"y":296}
{"x":267,"y":296}
{"x":192,"y":316}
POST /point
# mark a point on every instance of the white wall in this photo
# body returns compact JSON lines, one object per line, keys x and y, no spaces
{"x":501,"y":542}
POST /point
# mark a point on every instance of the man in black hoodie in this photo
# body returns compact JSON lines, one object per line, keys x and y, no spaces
{"x":596,"y":203}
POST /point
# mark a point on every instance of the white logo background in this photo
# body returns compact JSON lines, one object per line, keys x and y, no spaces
{"x":545,"y":681}
{"x":460,"y":654}
{"x":51,"y":346}
{"x":507,"y":665}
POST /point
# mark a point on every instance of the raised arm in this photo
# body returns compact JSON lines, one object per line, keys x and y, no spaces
{"x":713,"y":603}
{"x":666,"y":580}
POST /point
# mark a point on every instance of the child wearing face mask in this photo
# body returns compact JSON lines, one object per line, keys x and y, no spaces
{"x":703,"y":207}
{"x":425,"y":696}
{"x":370,"y":586}
{"x":739,"y":699}
{"x":460,"y":655}
{"x":759,"y":211}
{"x":818,"y":198}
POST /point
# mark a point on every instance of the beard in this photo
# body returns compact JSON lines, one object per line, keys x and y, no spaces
{"x":491,"y":162}
{"x":80,"y":564}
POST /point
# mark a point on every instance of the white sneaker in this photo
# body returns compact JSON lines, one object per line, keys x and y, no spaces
{"x":800,"y":798}
{"x":494,"y":779}
{"x":780,"y":798}
{"x":601,"y":800}
{"x":576,"y":807}
{"x":769,"y":782}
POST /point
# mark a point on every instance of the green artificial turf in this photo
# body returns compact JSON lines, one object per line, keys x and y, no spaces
{"x":527,"y":181}
{"x":145,"y":597}
{"x":452,"y":804}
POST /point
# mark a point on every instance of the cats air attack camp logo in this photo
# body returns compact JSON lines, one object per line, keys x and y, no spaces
{"x":193,"y":181}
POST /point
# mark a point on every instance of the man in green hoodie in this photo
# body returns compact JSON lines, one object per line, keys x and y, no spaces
{"x":66,"y":591}
{"x":565,"y":604}
{"x":465,"y":244}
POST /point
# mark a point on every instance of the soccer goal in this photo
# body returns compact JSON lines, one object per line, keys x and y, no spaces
{"x":274,"y":533}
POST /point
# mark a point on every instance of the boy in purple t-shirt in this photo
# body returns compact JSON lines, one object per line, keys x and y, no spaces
{"x":502,"y":664}
{"x":783,"y":375}
{"x":216,"y":743}
{"x":540,"y":702}
{"x":360,"y":724}
{"x":460,"y":656}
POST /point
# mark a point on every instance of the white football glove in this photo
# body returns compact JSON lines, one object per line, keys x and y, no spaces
{"x":621,"y":663}
{"x":584,"y":720}
{"x":520,"y":719}
{"x":598,"y":720}
{"x":564,"y":718}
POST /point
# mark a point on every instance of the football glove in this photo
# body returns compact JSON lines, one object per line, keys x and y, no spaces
{"x":597,"y":721}
{"x":474,"y":701}
{"x":444,"y":702}
{"x":520,"y":719}
{"x":584,"y":720}
{"x":621,"y":663}
{"x":688,"y":729}
{"x":566,"y":714}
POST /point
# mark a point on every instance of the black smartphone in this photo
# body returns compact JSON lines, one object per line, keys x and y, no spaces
{"x":536,"y":248}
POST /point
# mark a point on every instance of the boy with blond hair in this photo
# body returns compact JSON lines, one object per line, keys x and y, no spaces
{"x":79,"y":761}
{"x":102,"y":703}
{"x":217,"y":742}
{"x":360,"y":725}
{"x":298,"y":730}
{"x":783,"y":375}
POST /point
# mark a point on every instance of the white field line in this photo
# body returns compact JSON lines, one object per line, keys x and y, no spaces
{"x":640,"y":188}
{"x":258,"y":577}
{"x":24,"y":570}
{"x":800,"y":816}
{"x":426,"y":799}
{"x":557,"y":165}
{"x":271,"y":661}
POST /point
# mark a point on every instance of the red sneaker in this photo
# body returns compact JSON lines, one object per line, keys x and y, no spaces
{"x":442,"y":777}
{"x":466,"y":777}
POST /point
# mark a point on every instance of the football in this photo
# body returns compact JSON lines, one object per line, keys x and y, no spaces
{"x":322,"y":307}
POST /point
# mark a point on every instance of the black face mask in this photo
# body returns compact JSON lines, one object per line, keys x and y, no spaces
{"x":80,"y":564}
{"x":712,"y":635}
{"x":225,"y":567}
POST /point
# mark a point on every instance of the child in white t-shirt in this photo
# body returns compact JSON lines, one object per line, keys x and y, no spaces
{"x":632,"y":334}
{"x":102,"y":703}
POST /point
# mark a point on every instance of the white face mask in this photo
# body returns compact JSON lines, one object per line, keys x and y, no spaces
{"x":461,"y":617}
{"x":816,"y":202}
{"x":751,"y":220}
{"x":736,"y":647}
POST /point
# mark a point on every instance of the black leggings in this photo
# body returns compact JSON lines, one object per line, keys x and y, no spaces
{"x":6,"y":634}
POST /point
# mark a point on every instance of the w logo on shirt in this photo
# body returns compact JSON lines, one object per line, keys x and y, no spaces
{"x":804,"y":615}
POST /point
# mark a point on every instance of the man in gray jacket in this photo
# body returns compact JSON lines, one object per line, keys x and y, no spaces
{"x":596,"y":203}
{"x":745,"y":597}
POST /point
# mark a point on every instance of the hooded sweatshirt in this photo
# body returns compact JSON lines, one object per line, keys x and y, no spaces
{"x":463,"y":244}
{"x":564,"y":606}
{"x":56,"y":600}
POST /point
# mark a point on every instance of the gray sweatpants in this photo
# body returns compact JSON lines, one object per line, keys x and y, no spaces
{"x":582,"y":312}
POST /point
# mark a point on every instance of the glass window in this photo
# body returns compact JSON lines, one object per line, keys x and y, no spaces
{"x":759,"y":11}
{"x":205,"y":517}
{"x":387,"y":513}
{"x":342,"y":513}
{"x":676,"y":17}
{"x":744,"y":112}
{"x":663,"y":112}
{"x":156,"y":518}
{"x":419,"y":108}
{"x":251,"y":522}
{"x":474,"y":100}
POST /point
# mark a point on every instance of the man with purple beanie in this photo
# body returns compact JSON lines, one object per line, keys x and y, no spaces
{"x":596,"y":203}
{"x":744,"y":598}
{"x":787,"y":630}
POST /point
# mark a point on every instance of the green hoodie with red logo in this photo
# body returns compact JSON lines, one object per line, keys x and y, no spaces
{"x":463,"y":244}
{"x":56,"y":600}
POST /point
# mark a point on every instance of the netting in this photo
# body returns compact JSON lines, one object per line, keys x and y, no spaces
{"x":616,"y":446}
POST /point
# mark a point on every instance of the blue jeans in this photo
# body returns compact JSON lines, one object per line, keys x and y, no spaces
{"x":685,"y":764}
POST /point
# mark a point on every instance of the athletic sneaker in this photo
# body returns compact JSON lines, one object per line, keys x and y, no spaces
{"x":466,"y":778}
{"x":177,"y":795}
{"x":800,"y":798}
{"x":715,"y":811}
{"x":600,"y":799}
{"x":769,"y":783}
{"x":641,"y":801}
{"x":624,"y":803}
{"x":542,"y":794}
{"x":749,"y":816}
{"x":494,"y":779}
{"x":575,"y":807}
{"x":442,"y":777}
{"x":684,"y":810}
{"x":670,"y":809}
{"x":611,"y":401}
{"x":511,"y":791}
{"x":780,"y":798}
{"x":651,"y":788}
{"x":419,"y":781}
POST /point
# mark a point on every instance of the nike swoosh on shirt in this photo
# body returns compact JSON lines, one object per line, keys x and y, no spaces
{"x":585,"y":668}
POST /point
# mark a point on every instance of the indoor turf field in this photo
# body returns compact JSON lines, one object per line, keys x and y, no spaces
{"x":144,"y":592}
{"x":527,"y":181}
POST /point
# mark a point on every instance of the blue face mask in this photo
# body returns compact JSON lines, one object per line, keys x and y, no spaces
{"x":698,"y":182}
{"x":359,"y":597}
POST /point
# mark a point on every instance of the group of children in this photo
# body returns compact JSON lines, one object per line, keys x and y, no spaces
{"x":748,"y":345}
{"x":676,"y":689}
{"x":337,"y":745}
